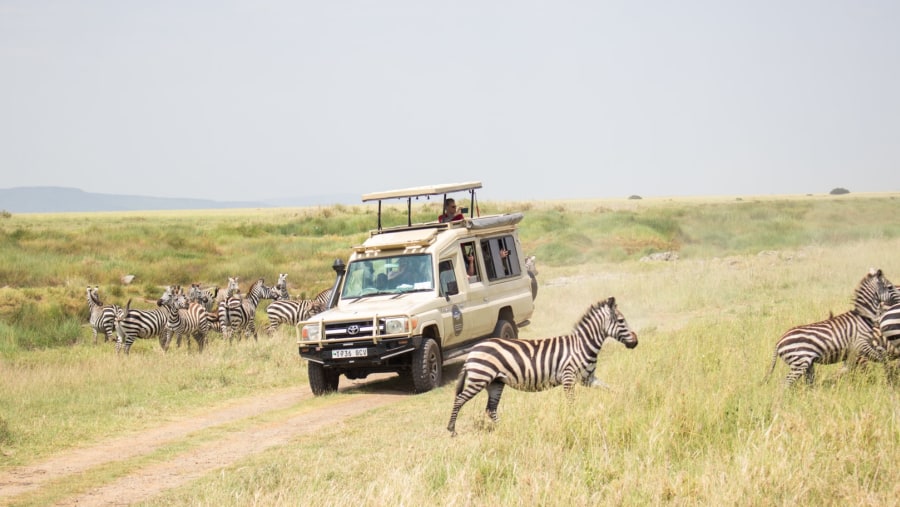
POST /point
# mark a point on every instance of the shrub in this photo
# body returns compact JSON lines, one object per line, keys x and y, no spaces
{"x":839,"y":191}
{"x":635,"y":196}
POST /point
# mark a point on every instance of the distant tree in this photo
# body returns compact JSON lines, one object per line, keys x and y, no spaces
{"x":635,"y":197}
{"x":5,"y":214}
{"x":839,"y":191}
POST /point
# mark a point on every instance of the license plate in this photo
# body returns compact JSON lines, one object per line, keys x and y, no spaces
{"x":345,"y":353}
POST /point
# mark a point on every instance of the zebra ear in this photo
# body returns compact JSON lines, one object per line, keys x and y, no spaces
{"x":611,"y":301}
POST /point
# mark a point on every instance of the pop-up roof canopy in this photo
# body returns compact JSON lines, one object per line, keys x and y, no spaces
{"x":406,"y":193}
{"x":410,"y":193}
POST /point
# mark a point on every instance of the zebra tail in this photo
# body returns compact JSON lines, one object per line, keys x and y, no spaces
{"x":461,"y":381}
{"x":771,"y":366}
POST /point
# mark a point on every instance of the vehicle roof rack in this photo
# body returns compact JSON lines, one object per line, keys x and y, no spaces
{"x":410,"y":193}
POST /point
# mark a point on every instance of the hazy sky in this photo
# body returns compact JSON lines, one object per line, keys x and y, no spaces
{"x":253,"y":100}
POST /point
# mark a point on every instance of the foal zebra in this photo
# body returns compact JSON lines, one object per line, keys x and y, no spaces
{"x":837,"y":338}
{"x":184,"y":318}
{"x":132,"y":324}
{"x":237,"y":314}
{"x":537,"y":365}
{"x":102,"y":317}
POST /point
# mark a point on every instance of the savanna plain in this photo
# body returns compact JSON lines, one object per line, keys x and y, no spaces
{"x":688,"y":417}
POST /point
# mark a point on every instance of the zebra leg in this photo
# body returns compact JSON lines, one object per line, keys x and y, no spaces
{"x":494,"y":390}
{"x":796,"y":372}
{"x":464,"y":393}
{"x":811,"y":374}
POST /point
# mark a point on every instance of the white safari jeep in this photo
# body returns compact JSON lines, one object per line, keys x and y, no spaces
{"x":408,"y":299}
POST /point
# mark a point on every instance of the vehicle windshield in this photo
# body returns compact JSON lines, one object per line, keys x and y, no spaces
{"x":388,"y":275}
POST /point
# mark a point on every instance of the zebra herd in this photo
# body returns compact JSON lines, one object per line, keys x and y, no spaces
{"x":195,"y":313}
{"x":870,"y":331}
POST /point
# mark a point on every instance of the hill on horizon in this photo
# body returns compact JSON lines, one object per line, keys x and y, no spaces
{"x":67,"y":199}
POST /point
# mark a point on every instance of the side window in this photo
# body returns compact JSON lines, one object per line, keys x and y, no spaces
{"x":500,"y":257}
{"x":470,"y":260}
{"x":447,"y":279}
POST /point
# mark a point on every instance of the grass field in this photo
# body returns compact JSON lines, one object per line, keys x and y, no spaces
{"x":688,"y":419}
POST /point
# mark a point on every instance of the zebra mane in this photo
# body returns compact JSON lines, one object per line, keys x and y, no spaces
{"x":591,"y":311}
{"x":867,"y":297}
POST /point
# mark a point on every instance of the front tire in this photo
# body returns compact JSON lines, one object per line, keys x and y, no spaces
{"x":322,"y":380}
{"x":427,"y":366}
{"x":505,"y":329}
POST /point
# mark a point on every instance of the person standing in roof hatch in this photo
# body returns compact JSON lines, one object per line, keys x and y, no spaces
{"x":450,"y":212}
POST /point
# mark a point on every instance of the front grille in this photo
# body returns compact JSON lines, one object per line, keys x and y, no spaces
{"x":359,"y":329}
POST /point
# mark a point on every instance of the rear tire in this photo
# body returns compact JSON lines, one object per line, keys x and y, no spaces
{"x":427,"y":366}
{"x":322,"y":380}
{"x":505,"y":329}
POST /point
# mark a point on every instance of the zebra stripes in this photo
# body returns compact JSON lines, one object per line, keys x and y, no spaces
{"x":238,"y":314}
{"x":536,"y":365}
{"x":837,"y":338}
{"x":102,"y":317}
{"x":184,"y":318}
{"x":890,"y":325}
{"x":132,"y":324}
{"x":290,"y":312}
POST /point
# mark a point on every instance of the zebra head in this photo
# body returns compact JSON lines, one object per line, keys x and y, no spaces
{"x":232,"y":287}
{"x":281,"y":286}
{"x":197,"y":295}
{"x":168,"y":296}
{"x":873,"y":292}
{"x":613,"y":322}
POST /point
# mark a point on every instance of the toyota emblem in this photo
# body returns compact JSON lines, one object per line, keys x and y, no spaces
{"x":353,"y":330}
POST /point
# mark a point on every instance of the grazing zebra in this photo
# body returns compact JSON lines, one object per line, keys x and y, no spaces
{"x":132,"y":324}
{"x":185,"y":318}
{"x":837,"y":338}
{"x":102,"y":317}
{"x":536,"y":365}
{"x":238,"y":314}
{"x":292,"y":312}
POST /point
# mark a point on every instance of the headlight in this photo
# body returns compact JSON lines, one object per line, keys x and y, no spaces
{"x":396,"y":325}
{"x":310,"y":332}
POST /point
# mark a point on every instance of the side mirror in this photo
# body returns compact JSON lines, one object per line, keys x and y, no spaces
{"x":452,"y":288}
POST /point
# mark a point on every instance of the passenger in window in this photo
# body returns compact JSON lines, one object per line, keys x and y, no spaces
{"x":450,"y":213}
{"x":469,"y":254}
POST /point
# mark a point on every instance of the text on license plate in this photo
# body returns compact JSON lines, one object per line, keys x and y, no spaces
{"x":342,"y":353}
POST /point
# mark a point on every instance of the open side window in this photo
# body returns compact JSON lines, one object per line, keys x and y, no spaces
{"x":501,"y":259}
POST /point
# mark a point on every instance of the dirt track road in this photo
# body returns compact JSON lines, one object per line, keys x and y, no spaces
{"x":144,"y":482}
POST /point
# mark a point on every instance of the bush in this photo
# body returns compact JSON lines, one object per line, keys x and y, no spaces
{"x":635,"y":197}
{"x":839,"y":191}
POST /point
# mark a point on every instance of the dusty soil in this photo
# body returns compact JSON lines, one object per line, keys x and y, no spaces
{"x":145,"y":482}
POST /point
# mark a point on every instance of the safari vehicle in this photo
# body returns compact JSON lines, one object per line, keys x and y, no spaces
{"x":406,"y":302}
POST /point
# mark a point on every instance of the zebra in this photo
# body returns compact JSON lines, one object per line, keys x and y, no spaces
{"x":537,"y":365}
{"x":837,"y":338}
{"x":185,"y":318}
{"x":132,"y":324}
{"x":205,"y":297}
{"x":102,"y":317}
{"x":290,"y":311}
{"x":281,"y":286}
{"x":237,"y":313}
{"x":889,"y":324}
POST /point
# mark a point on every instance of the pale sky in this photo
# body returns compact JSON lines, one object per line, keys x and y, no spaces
{"x":254,"y":100}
